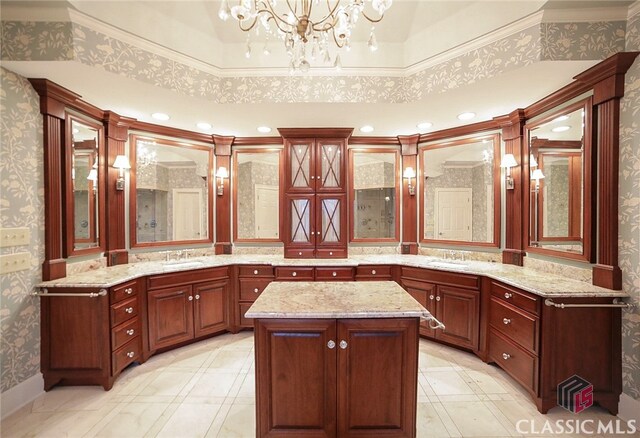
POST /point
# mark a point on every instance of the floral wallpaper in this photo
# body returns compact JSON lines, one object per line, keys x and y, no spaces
{"x":548,"y":41}
{"x":556,"y":208}
{"x":629,"y":214}
{"x":21,"y":205}
{"x":250,"y":174}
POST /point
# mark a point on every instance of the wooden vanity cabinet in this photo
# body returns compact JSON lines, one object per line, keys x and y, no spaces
{"x":252,"y":279}
{"x":186,"y":306}
{"x":377,"y":400}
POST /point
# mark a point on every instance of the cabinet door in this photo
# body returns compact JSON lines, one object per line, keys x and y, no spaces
{"x":377,"y":377}
{"x":210,"y":307}
{"x":330,"y":165}
{"x":170,"y":316}
{"x":299,"y":225}
{"x":331,"y":223}
{"x":425,"y":294}
{"x":296,"y":377}
{"x":458,"y":310}
{"x":300,"y":171}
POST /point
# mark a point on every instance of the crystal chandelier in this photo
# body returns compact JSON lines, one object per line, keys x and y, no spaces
{"x":306,"y":37}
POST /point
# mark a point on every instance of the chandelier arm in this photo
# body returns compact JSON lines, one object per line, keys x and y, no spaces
{"x":276,"y":18}
{"x":372,"y":20}
{"x":248,"y":29}
{"x":340,"y":45}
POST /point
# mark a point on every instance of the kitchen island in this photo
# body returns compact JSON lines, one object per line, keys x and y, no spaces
{"x":336,"y":359}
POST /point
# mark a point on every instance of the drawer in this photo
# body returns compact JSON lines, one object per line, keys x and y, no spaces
{"x":516,"y":297}
{"x":334,"y":274}
{"x":123,"y":333}
{"x":245,"y":322}
{"x":373,"y":272}
{"x":339,"y":253}
{"x":125,"y":355}
{"x":123,"y":311}
{"x":187,"y":277}
{"x":124,"y":291}
{"x":250,"y":289}
{"x":519,"y":326}
{"x":442,"y":277}
{"x":292,"y":253}
{"x":289,"y":273}
{"x":255,"y":271}
{"x":517,"y":362}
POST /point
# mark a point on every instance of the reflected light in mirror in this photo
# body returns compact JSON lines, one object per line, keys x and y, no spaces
{"x":221,"y":173}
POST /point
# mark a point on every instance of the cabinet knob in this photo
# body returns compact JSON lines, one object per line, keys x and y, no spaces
{"x":128,"y":291}
{"x":312,"y":177}
{"x":300,"y":253}
{"x":431,"y":297}
{"x":438,"y":298}
{"x":330,"y":252}
{"x":506,"y":321}
{"x":197,"y":297}
{"x":373,"y":272}
{"x":343,"y":344}
{"x":130,"y":354}
{"x":190,"y":298}
{"x":130,"y":332}
{"x":255,"y":272}
{"x":331,"y":345}
{"x":294,"y":274}
{"x":508,"y":295}
{"x":334,"y":274}
{"x":255,"y":290}
{"x":129,"y":310}
{"x":506,"y":356}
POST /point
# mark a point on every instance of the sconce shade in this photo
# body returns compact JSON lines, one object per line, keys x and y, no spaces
{"x":122,"y":162}
{"x":508,"y":160}
{"x":93,"y":175}
{"x":222,"y":172}
{"x":537,"y":175}
{"x":409,"y":173}
{"x":532,"y":161}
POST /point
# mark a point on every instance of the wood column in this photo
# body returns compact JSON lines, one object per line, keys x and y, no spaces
{"x":116,"y":133}
{"x":409,"y":150}
{"x":515,"y":229}
{"x":223,"y":202}
{"x":607,"y":79}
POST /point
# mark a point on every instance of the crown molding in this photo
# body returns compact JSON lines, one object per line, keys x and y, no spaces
{"x":633,"y":10}
{"x":589,"y":15}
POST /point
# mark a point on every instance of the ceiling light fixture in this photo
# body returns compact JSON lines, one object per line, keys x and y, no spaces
{"x":560,"y":119}
{"x":561,"y":128}
{"x":160,"y":116}
{"x":204,"y":126}
{"x":424,"y":126}
{"x":264,"y":129}
{"x":466,"y":116}
{"x":306,"y":33}
{"x":366,"y":129}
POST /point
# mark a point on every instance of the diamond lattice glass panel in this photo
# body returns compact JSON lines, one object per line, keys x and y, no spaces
{"x":300,"y":220}
{"x":330,"y":220}
{"x":330,"y":165}
{"x":300,"y":162}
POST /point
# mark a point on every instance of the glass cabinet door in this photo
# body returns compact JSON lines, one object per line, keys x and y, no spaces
{"x":331,"y":220}
{"x":330,"y":165}
{"x":300,"y":156}
{"x":300,"y":214}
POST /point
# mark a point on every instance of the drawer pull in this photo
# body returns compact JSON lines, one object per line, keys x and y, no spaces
{"x":294,"y":274}
{"x":128,"y":291}
{"x":373,"y":272}
{"x":506,"y":321}
{"x":431,"y":297}
{"x":334,"y":274}
{"x":197,"y":297}
{"x":343,"y":344}
{"x":190,"y":298}
{"x":130,"y":354}
{"x":506,"y":356}
{"x":438,"y":298}
{"x":255,"y":272}
{"x":256,"y":290}
{"x":331,"y":345}
{"x":129,"y":310}
{"x":508,"y":295}
{"x":130,"y":332}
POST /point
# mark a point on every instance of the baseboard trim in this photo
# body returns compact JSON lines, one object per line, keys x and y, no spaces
{"x":629,"y":409}
{"x":21,"y":394}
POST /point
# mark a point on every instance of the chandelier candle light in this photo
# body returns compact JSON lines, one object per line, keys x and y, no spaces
{"x":306,"y":35}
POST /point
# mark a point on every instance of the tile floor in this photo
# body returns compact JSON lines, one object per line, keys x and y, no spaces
{"x":207,"y":390}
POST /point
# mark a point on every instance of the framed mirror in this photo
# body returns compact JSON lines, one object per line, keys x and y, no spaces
{"x":374,"y":195}
{"x":85,"y":184}
{"x":461,"y":192}
{"x":560,"y":161}
{"x":256,"y":194}
{"x":171,"y":192}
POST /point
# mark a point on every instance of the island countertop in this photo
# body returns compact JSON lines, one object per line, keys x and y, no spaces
{"x":371,"y":299}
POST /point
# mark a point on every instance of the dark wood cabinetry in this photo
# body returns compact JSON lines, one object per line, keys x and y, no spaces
{"x":359,"y":376}
{"x":251,"y":282}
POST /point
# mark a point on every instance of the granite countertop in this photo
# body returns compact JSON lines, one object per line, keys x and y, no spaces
{"x":348,"y":299}
{"x":530,"y":280}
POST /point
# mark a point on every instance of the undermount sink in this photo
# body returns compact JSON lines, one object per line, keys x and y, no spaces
{"x":448,"y":265}
{"x":185,"y":264}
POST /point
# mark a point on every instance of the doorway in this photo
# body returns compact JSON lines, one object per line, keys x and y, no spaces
{"x":453,"y":214}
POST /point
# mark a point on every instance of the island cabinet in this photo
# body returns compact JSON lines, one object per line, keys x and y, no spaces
{"x":252,"y":280}
{"x":187,"y":305}
{"x":541,"y":345}
{"x":344,"y":378}
{"x":454,"y":299}
{"x":88,"y":335}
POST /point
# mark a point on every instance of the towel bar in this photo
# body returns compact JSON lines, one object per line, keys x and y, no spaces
{"x":616,"y":304}
{"x":45,"y":293}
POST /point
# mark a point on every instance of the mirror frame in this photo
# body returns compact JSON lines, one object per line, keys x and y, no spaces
{"x":497,"y":198}
{"x":352,"y":194}
{"x":68,"y":227}
{"x":133,"y":208}
{"x":234,"y":183}
{"x":588,"y":172}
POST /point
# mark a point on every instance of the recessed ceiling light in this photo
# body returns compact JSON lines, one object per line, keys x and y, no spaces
{"x":160,"y":116}
{"x":366,"y":128}
{"x":424,"y":126}
{"x":264,"y":129}
{"x":466,"y":116}
{"x":204,"y":125}
{"x":561,"y":128}
{"x":560,"y":119}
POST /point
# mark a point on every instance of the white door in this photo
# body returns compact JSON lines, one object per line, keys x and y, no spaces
{"x":266,"y":212}
{"x":453,"y":214}
{"x":187,"y":214}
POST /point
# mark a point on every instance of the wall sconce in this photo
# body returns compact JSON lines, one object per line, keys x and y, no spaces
{"x":536,"y":176}
{"x":221,"y":173}
{"x":410,"y":174}
{"x":509,"y":161}
{"x":121,"y":163}
{"x":532,"y":161}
